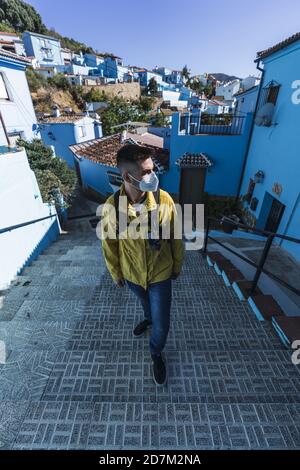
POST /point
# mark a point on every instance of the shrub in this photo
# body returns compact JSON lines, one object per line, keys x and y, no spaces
{"x":52,"y":173}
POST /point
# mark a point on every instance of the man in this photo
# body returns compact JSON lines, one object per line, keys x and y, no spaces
{"x":146,"y":265}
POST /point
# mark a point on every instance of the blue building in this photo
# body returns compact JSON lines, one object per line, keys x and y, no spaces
{"x":146,"y":75}
{"x":63,"y":130}
{"x":173,"y":77}
{"x":96,"y":163}
{"x":93,"y":60}
{"x":246,"y":101}
{"x":271,"y":180}
{"x":45,"y":49}
{"x":224,"y":144}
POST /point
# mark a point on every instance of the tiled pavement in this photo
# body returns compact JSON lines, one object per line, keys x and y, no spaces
{"x":75,"y":378}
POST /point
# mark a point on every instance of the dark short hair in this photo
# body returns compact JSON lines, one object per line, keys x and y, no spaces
{"x":131,"y":154}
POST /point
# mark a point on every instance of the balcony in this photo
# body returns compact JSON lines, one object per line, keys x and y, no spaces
{"x":212,"y":124}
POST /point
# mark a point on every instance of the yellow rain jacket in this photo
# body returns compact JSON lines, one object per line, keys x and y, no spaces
{"x":134,"y":259}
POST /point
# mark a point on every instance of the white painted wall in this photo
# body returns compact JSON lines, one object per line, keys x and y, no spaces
{"x":20,"y":201}
{"x":227,"y":90}
{"x":249,"y":82}
{"x":18,"y":112}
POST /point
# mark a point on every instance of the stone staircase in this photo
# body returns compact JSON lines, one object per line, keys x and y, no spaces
{"x":76,"y":378}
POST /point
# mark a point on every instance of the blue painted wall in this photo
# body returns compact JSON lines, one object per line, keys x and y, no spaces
{"x":95,"y":175}
{"x":44,"y":48}
{"x":245,"y":102}
{"x":226,"y":151}
{"x":275,"y":149}
{"x":64,"y":136}
{"x":61,"y":135}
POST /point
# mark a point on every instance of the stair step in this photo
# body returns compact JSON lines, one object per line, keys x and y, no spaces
{"x":156,"y":426}
{"x":54,"y":293}
{"x":265,"y":307}
{"x":288,"y":329}
{"x":74,"y":367}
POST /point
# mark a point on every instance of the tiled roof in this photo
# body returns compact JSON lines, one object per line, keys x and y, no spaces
{"x":41,"y":35}
{"x":64,"y":118}
{"x":12,"y":55}
{"x":104,"y":151}
{"x":215,"y":102}
{"x":194,"y":160}
{"x":146,"y":138}
{"x":245,"y":91}
{"x":278,"y":46}
{"x":4,"y":33}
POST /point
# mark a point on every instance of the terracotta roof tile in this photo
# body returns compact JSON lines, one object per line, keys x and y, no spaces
{"x":104,"y":151}
{"x":63,"y":118}
{"x":12,"y":55}
{"x":278,"y":46}
{"x":194,"y":160}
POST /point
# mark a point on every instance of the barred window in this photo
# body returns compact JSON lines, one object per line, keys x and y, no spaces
{"x":269,"y":94}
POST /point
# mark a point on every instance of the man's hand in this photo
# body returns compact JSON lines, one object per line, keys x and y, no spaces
{"x":120,"y":283}
{"x":174,"y":276}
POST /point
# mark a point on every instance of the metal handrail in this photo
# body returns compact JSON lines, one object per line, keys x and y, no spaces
{"x":260,"y":265}
{"x":23,"y":224}
{"x":91,"y":214}
{"x":256,"y":230}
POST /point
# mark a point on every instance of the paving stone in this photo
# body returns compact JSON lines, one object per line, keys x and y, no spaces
{"x":55,"y":426}
{"x":25,"y":375}
{"x":51,"y":310}
{"x":36,"y":335}
{"x":76,"y":378}
{"x":12,"y":414}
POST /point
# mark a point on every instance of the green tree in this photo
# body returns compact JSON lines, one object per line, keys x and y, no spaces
{"x":35,"y":80}
{"x":21,"y":16}
{"x":18,"y":16}
{"x":146,"y":103}
{"x":52,"y":173}
{"x":94,"y":95}
{"x":185,"y":73}
{"x":209,"y":90}
{"x":119,"y":112}
{"x":152,"y":87}
{"x":196,"y":86}
{"x":59,"y":81}
{"x":7,"y":29}
{"x":159,"y":120}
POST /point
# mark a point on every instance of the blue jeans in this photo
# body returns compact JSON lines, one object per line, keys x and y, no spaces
{"x":156,"y":303}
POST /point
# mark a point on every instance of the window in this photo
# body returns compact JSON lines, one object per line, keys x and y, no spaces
{"x":81,"y":131}
{"x":115,"y":178}
{"x":183,"y":122}
{"x":269,"y":94}
{"x":3,"y":90}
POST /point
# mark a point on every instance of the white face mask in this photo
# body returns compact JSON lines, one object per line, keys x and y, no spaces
{"x":149,"y":182}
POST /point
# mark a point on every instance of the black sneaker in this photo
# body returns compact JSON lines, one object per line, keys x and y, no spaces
{"x":141,"y":328}
{"x":159,"y":370}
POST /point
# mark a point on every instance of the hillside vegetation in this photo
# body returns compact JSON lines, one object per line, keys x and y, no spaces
{"x":18,"y":16}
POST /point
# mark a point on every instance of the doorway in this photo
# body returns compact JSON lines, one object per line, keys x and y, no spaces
{"x":271,"y":213}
